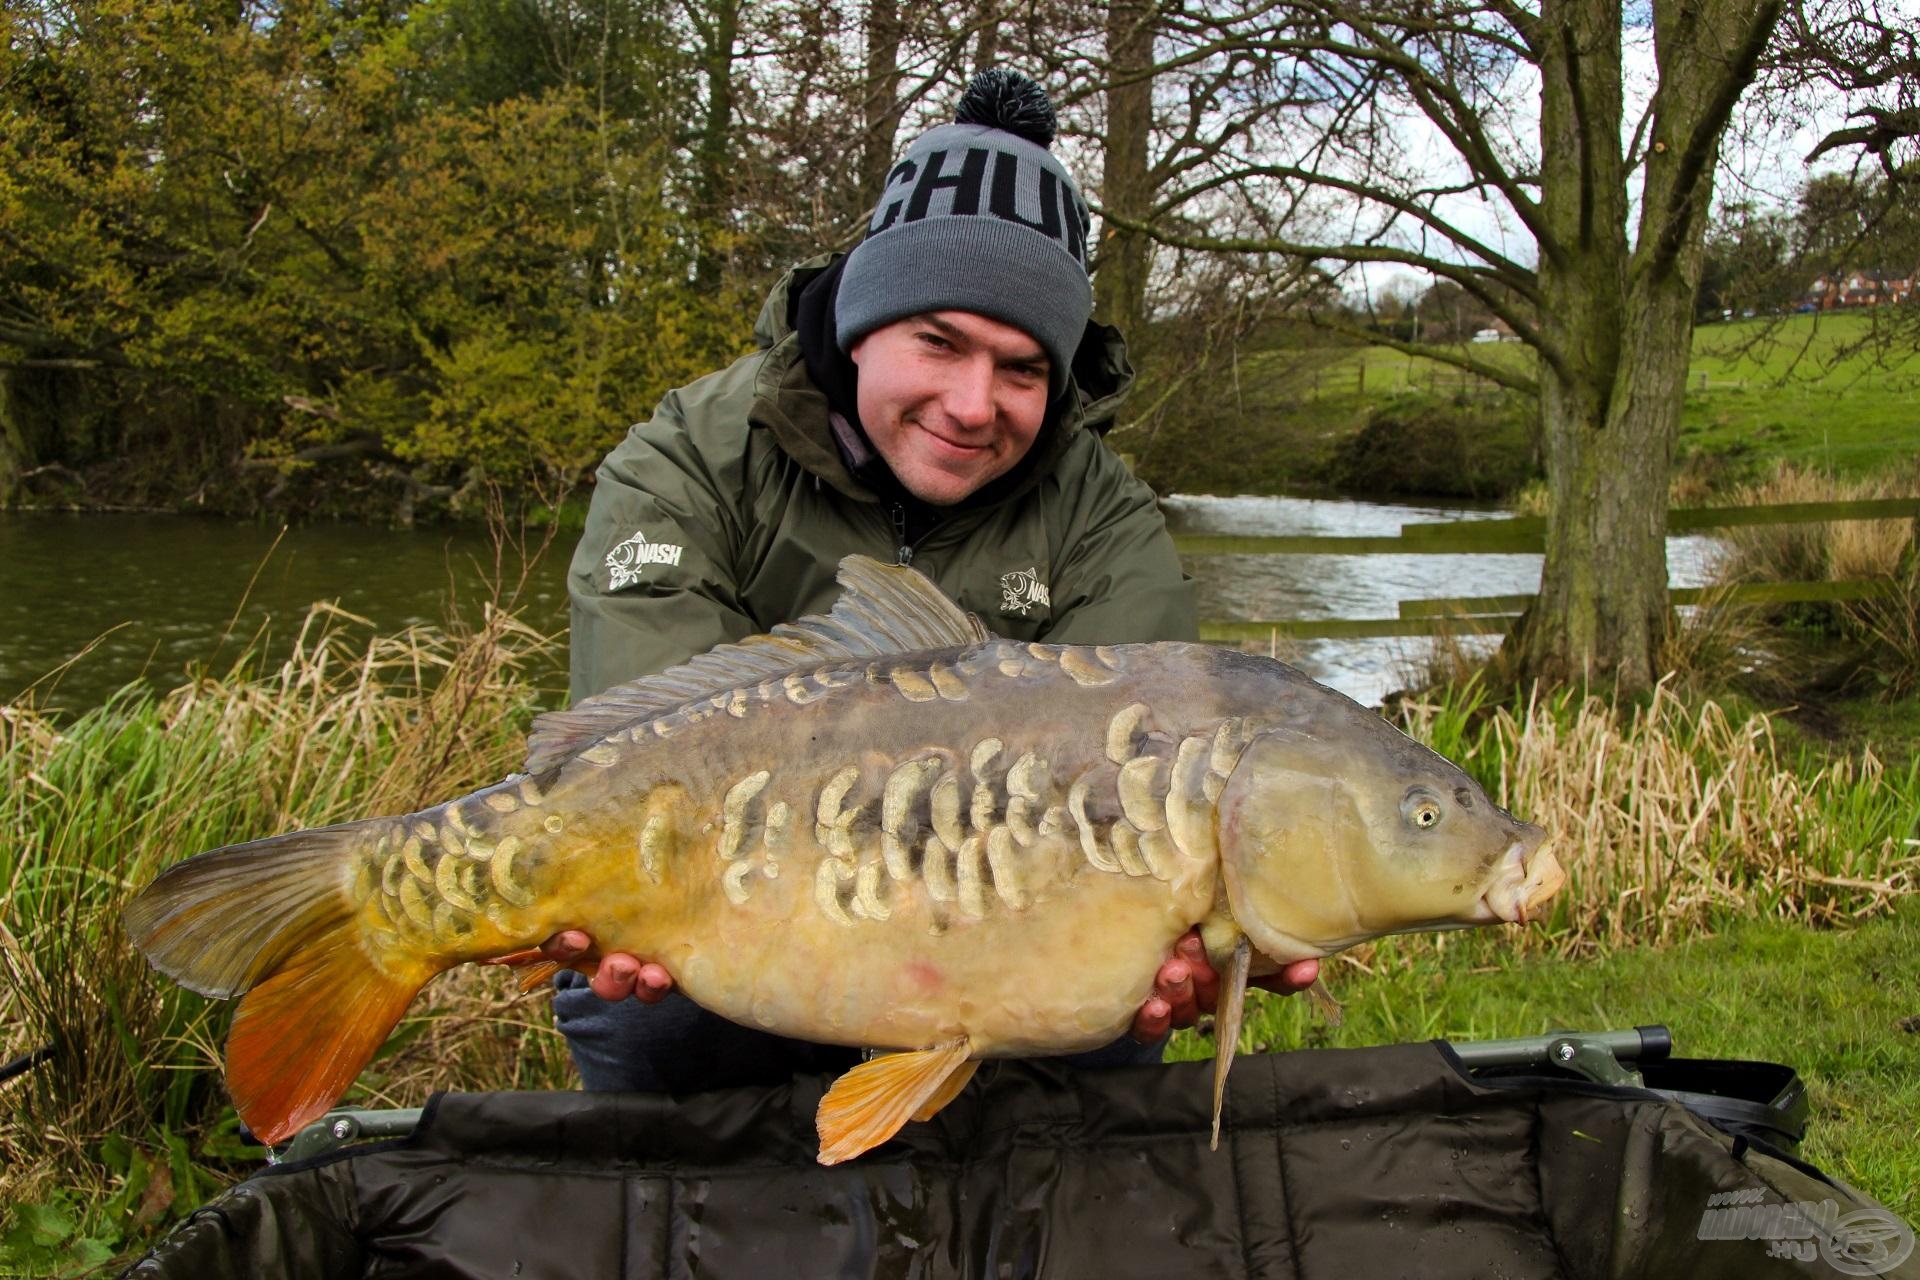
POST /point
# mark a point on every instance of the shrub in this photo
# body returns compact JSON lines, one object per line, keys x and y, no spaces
{"x":1462,"y":447}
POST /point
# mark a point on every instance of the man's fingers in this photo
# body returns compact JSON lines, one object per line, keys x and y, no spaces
{"x":1174,"y":985}
{"x":1206,"y":980}
{"x":615,"y":977}
{"x":1154,"y":1020}
{"x":1296,"y":977}
{"x":653,"y":984}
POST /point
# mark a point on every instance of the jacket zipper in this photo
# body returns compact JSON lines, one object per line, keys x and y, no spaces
{"x":903,"y":550}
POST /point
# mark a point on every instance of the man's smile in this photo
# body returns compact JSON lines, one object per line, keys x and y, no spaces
{"x":959,"y":446}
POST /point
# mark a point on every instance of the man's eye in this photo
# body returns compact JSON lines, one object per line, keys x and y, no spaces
{"x":935,"y":341}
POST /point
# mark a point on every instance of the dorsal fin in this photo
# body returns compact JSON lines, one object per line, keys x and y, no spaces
{"x":882,"y":609}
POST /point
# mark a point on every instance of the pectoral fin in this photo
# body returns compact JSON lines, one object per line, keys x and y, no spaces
{"x":949,"y":1090}
{"x":535,"y":970}
{"x":1226,"y":1026}
{"x":868,"y":1104}
{"x":1323,"y":1001}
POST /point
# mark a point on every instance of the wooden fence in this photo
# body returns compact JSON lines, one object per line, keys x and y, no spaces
{"x":1490,"y":615}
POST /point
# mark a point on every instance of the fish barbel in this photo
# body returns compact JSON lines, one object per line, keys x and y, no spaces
{"x":882,"y":827}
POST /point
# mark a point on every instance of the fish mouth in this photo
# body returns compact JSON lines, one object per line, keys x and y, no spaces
{"x":1524,"y":880}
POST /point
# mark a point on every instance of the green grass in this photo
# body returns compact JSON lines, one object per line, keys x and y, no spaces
{"x":1891,"y":729}
{"x":1801,"y":389}
{"x":1829,"y":1003}
{"x":126,"y":1129}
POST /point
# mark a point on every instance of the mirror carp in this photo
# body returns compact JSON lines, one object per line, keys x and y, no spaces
{"x":879,"y":827}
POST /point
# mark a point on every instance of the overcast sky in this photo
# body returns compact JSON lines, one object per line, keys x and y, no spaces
{"x":1762,"y":160}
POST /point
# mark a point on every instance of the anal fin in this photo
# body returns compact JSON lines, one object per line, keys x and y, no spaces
{"x":870,"y":1103}
{"x":1226,"y":1026}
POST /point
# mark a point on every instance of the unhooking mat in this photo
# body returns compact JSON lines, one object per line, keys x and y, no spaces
{"x":1379,"y":1162}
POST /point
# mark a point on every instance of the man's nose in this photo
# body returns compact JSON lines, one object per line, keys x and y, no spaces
{"x":969,"y":399}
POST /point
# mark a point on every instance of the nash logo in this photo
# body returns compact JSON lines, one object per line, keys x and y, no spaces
{"x":1021,"y":590}
{"x":625,"y":561}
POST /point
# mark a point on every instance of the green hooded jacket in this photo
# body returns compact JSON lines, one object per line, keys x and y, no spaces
{"x":729,"y":510}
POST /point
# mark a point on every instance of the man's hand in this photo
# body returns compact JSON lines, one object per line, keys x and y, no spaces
{"x":616,"y":975}
{"x":1187,"y":987}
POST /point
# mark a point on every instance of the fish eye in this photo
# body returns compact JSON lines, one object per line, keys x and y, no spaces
{"x":1421,"y":808}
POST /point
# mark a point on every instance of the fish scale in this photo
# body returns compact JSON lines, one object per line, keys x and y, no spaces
{"x":880,"y":827}
{"x":930,"y":792}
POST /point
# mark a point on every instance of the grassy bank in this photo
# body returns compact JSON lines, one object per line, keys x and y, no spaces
{"x":1681,"y":819}
{"x":1807,"y":390}
{"x":125,"y":1129}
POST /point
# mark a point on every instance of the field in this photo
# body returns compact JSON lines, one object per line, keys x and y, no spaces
{"x":1808,"y":390}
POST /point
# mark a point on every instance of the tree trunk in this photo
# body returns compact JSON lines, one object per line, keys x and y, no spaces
{"x":986,"y":46}
{"x":1602,"y":610}
{"x":14,"y":456}
{"x":714,"y":155}
{"x":880,"y":105}
{"x":1619,"y":325}
{"x":1120,"y":284}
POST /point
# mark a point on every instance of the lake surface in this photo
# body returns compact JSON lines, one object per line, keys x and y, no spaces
{"x":1362,"y":586}
{"x":155,"y":595}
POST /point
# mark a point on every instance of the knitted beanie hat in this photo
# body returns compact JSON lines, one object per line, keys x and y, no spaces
{"x":979,"y":216}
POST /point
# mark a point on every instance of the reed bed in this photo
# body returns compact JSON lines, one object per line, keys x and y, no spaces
{"x":1672,"y":814}
{"x":126,"y":1119}
{"x":1879,"y":636}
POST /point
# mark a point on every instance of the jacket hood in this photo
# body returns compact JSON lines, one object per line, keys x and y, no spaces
{"x":789,"y":404}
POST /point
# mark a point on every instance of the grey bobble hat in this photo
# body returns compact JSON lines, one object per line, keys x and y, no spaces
{"x":978,"y":216}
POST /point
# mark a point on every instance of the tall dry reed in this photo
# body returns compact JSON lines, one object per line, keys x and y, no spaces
{"x":1671,"y":814}
{"x":1880,"y":633}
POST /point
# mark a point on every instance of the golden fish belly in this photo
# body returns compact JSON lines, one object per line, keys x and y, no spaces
{"x":1066,"y":973}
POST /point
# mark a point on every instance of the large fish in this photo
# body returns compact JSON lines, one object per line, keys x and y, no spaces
{"x":881,"y":827}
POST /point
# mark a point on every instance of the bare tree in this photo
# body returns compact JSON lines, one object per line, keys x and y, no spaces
{"x":1489,"y":143}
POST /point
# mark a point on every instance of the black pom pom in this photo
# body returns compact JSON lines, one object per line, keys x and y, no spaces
{"x":1002,"y":99}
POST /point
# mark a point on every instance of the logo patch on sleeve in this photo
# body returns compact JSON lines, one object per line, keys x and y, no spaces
{"x":629,"y":559}
{"x":1022,"y":590}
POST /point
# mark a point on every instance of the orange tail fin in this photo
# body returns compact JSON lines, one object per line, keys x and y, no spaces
{"x":300,"y":1038}
{"x":277,"y":919}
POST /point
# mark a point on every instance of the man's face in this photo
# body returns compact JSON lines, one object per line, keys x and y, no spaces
{"x":951,"y":400}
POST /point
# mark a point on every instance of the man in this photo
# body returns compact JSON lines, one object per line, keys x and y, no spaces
{"x":935,"y":397}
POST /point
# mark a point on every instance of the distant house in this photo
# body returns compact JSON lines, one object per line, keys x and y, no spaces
{"x":1858,"y":289}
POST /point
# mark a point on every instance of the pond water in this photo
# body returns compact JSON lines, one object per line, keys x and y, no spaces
{"x":156,"y":594}
{"x":1361,"y":586}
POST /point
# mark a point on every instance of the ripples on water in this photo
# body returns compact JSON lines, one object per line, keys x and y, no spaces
{"x":162,"y":589}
